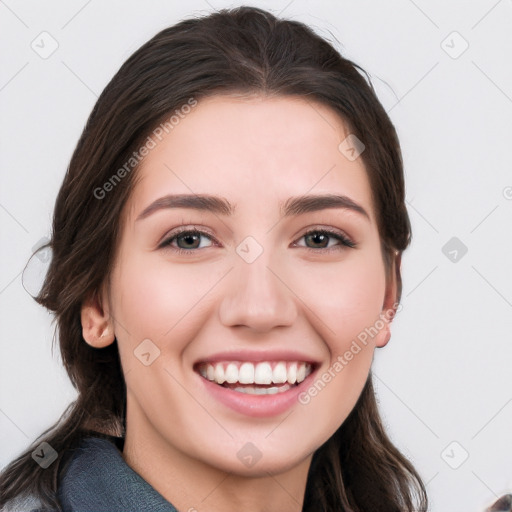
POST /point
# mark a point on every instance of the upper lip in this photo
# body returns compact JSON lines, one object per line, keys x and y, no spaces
{"x":257,"y":356}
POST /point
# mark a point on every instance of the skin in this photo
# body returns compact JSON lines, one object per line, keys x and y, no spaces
{"x":255,"y":152}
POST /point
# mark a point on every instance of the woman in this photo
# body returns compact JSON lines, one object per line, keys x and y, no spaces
{"x":235,"y":374}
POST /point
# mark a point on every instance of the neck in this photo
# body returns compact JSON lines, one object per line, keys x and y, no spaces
{"x":195,"y":485}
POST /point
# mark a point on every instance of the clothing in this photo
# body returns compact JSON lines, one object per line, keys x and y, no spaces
{"x":98,"y":479}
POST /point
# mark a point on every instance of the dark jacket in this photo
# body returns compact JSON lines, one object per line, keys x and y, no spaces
{"x":98,"y":479}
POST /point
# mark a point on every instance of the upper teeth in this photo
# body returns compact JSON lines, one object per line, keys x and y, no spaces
{"x":256,"y":373}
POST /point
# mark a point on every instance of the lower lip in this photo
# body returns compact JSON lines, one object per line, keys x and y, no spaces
{"x":259,"y":406}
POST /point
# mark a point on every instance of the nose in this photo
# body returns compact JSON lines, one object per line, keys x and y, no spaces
{"x":257,"y":297}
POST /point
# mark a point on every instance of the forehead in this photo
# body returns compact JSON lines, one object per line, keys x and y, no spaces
{"x":254,"y":151}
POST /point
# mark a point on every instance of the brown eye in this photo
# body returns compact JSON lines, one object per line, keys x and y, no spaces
{"x":187,"y":241}
{"x":317,"y":240}
{"x":320,"y":239}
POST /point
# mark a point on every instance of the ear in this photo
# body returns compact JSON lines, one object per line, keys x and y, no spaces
{"x":390,"y":304}
{"x":97,"y":324}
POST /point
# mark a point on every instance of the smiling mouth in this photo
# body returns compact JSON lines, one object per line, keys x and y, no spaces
{"x":261,"y":378}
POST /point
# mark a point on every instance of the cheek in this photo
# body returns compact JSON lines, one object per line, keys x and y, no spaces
{"x":155,"y":299}
{"x":346,"y":299}
{"x":346,"y":307}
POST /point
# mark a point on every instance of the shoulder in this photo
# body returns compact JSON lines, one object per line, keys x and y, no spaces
{"x":94,"y":447}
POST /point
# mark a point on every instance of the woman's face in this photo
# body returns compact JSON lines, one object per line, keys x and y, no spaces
{"x":251,"y":287}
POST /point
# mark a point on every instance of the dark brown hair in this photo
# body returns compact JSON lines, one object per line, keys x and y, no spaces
{"x":244,"y":51}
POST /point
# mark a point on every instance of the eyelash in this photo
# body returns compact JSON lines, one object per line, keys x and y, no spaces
{"x":345,"y":241}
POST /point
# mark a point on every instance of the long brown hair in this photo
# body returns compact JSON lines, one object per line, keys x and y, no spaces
{"x":242,"y":50}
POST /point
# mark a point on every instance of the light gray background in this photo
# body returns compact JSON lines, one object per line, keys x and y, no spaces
{"x":445,"y":375}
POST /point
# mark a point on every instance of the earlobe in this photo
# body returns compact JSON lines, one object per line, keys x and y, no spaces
{"x":384,"y":326}
{"x":97,"y":325}
{"x":384,"y":336}
{"x":390,"y":304}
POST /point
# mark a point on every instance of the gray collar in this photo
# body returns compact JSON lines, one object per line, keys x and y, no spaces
{"x":98,"y":479}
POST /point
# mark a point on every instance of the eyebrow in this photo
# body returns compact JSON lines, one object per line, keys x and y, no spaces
{"x":291,"y":207}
